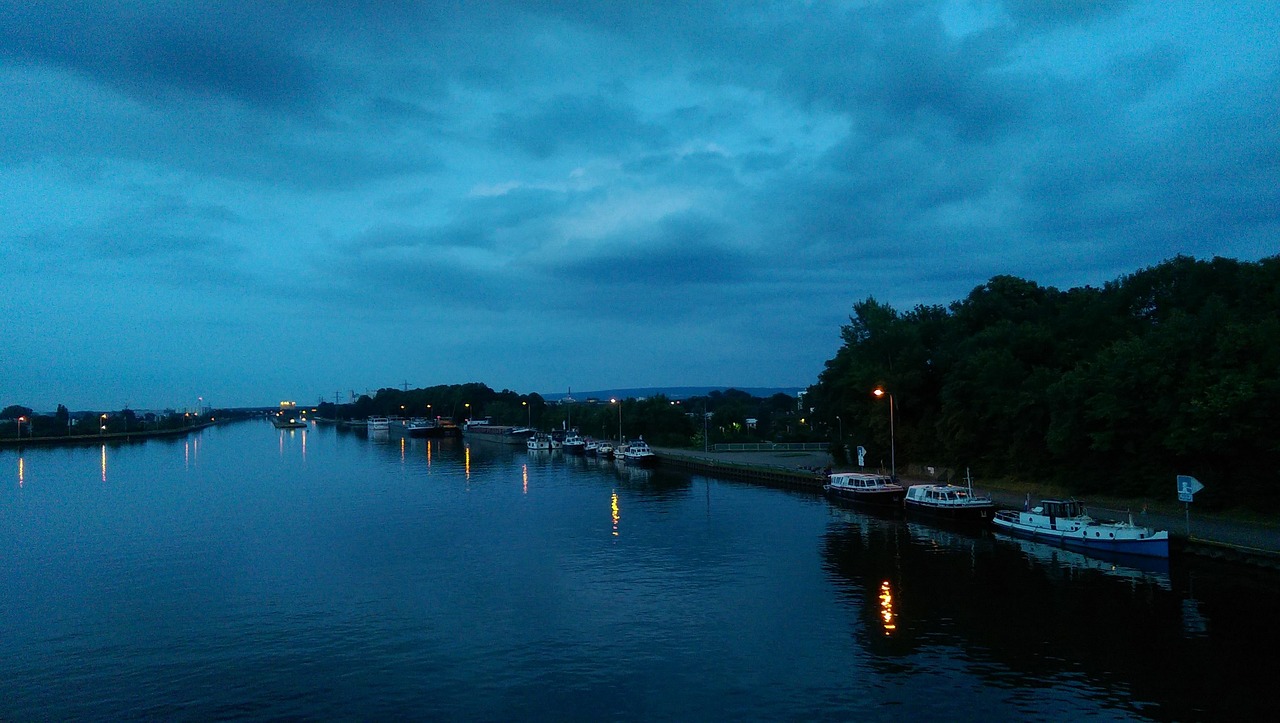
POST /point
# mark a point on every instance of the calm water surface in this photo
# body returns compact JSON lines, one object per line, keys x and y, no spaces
{"x":249,"y":572}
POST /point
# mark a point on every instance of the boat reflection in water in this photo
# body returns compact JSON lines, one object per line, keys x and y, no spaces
{"x":1133,"y":568}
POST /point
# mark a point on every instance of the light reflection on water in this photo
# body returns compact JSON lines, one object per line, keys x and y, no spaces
{"x":329,"y":574}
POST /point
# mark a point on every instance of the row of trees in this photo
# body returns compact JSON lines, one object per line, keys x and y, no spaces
{"x":1172,"y":370}
{"x":17,"y":421}
{"x":728,"y":416}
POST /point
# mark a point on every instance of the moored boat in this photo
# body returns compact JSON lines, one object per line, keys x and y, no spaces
{"x":604,"y":450}
{"x":866,"y":488}
{"x":591,"y":448}
{"x":1068,"y":523}
{"x":379,"y":424}
{"x":539,"y":442}
{"x":481,"y":430}
{"x":949,"y":502}
{"x":638,"y":453}
{"x":574,"y":444}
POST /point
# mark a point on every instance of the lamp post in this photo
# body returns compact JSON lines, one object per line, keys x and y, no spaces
{"x":706,"y":444}
{"x":102,"y":428}
{"x":840,"y":438}
{"x":893,"y":461}
{"x":20,"y":420}
{"x":530,"y":415}
{"x":468,"y":406}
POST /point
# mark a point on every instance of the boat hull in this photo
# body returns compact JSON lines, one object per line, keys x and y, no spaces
{"x":1091,"y":539}
{"x":977,"y":514}
{"x":498,"y":435}
{"x":872,"y":498}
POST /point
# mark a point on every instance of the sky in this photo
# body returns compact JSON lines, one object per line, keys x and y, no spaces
{"x":248,"y":202}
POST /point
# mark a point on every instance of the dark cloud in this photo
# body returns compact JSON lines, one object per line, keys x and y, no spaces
{"x":677,"y":252}
{"x":585,"y":124}
{"x":153,"y":52}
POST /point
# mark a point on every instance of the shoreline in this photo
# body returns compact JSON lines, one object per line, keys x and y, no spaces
{"x":92,"y":439}
{"x":1219,"y":536}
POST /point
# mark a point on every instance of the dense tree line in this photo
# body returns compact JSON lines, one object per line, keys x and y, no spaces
{"x":730,"y":416}
{"x":1171,"y":370}
{"x":20,"y":422}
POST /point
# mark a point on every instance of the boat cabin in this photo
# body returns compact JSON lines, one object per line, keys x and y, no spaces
{"x":941,"y":494}
{"x":861,"y":481}
{"x":1059,"y":508}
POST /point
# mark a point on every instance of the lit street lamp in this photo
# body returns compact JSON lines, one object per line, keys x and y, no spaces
{"x":468,"y":406}
{"x":20,"y":420}
{"x":893,"y":462}
{"x":102,"y":429}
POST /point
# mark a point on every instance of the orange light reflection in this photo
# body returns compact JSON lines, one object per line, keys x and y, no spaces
{"x":21,"y":471}
{"x":104,"y":463}
{"x":524,"y":473}
{"x":888,"y":618}
{"x":616,"y":514}
{"x":467,"y":463}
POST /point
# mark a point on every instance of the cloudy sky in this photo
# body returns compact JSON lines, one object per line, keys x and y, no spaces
{"x":255,"y":203}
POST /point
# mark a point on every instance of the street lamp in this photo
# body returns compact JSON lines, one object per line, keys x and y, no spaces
{"x":102,"y":429}
{"x":840,"y":426}
{"x":893,"y":462}
{"x":468,"y":406}
{"x":20,"y":420}
{"x":530,"y":415}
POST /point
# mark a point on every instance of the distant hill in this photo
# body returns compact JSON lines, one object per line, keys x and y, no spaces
{"x":670,"y":392}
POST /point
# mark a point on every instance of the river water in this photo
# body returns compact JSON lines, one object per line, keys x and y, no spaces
{"x":252,"y":573}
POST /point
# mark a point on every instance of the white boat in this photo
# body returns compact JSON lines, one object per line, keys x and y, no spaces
{"x":638,"y":453}
{"x":590,"y":447}
{"x":379,"y":424}
{"x":1067,"y":523}
{"x":604,"y":450}
{"x":620,"y":452}
{"x":866,"y":488}
{"x":950,"y":502}
{"x":539,"y":442}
